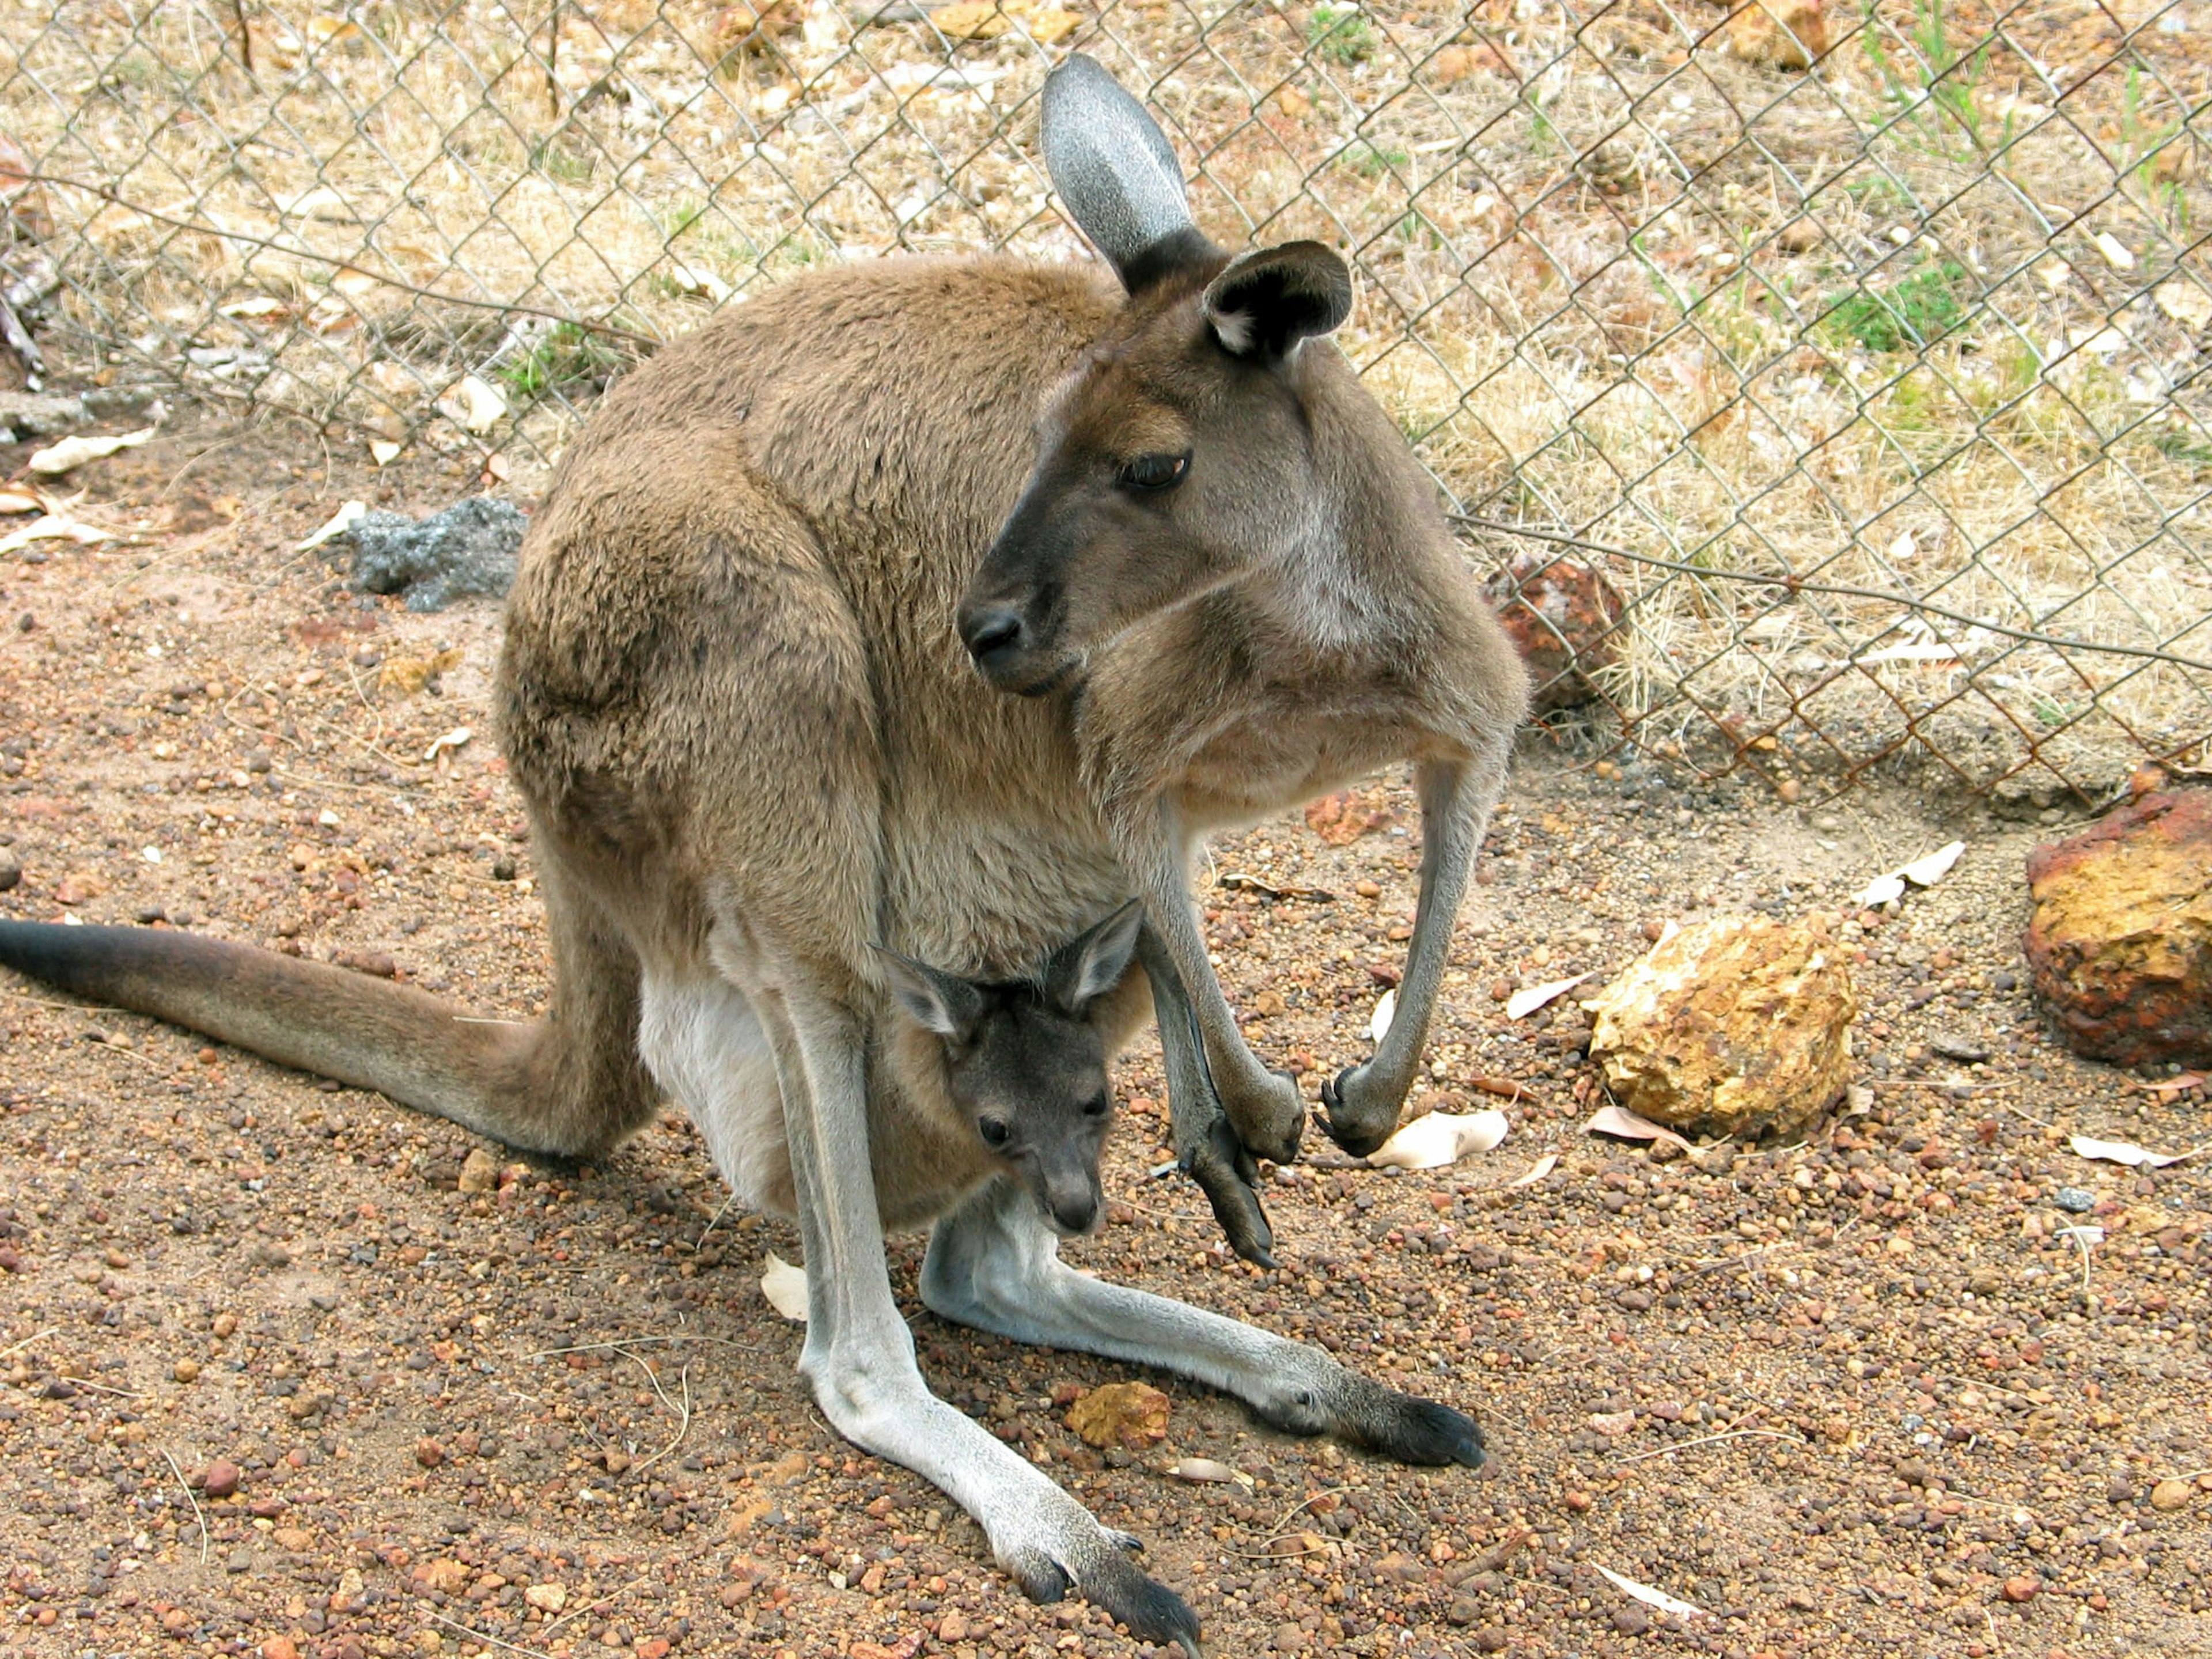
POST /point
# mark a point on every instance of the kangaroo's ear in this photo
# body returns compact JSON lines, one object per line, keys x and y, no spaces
{"x":934,"y":1000}
{"x":1085,"y":968}
{"x":1115,"y":169}
{"x":1269,"y":300}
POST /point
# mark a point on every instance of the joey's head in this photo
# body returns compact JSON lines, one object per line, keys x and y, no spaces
{"x":1176,"y":457}
{"x":1025,"y":1061}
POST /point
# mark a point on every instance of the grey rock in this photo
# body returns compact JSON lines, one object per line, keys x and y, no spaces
{"x":2075,"y":1200}
{"x":468,"y":548}
{"x":11,"y":870}
{"x":41,"y":414}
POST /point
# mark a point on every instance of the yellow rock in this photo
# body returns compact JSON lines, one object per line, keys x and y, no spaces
{"x":987,"y":20}
{"x":2171,"y":1494}
{"x":479,"y":1171}
{"x":1733,"y":1027}
{"x":1133,"y":1415}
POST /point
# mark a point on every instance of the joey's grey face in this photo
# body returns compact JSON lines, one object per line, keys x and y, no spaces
{"x":1174,"y":459}
{"x":1025,"y":1062}
{"x":1035,"y":1085}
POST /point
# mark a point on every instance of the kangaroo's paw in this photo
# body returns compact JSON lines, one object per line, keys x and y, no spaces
{"x":1270,"y":1121}
{"x":1227,"y":1174}
{"x":1360,"y":1116}
{"x":1094,"y":1561}
{"x":1407,"y":1427}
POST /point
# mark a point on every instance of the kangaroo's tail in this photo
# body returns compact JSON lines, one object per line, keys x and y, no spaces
{"x":488,"y":1075}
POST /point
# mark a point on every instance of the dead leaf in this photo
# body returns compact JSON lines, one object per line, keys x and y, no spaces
{"x":336,"y":524}
{"x":2115,"y":251}
{"x":2127,"y":1152}
{"x":1915,"y":651}
{"x":452,"y":740}
{"x":1526,"y":1001}
{"x":1649,"y":1596}
{"x":1202,"y":1469}
{"x":785,"y":1287}
{"x":1378,"y":1023}
{"x":21,"y":501}
{"x":1619,"y":1120}
{"x":1441,"y":1138}
{"x":1238,"y":881}
{"x":77,"y":451}
{"x":383,"y":451}
{"x":473,"y":404}
{"x":319,"y":203}
{"x":52,"y":527}
{"x":1921,"y":872}
{"x":1131,"y":1415}
{"x":1536,"y":1172}
{"x":2174,"y":1085}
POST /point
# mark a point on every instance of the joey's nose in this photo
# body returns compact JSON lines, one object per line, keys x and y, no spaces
{"x":992,"y":632}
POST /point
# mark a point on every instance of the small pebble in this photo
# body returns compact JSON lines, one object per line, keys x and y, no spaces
{"x":2022,"y":1588}
{"x":2170,"y":1494}
{"x":11,"y":870}
{"x":221,"y":1479}
{"x":186,"y":1371}
{"x":2075,"y":1200}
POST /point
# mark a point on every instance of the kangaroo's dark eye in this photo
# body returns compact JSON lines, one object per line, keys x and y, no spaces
{"x":1156,"y":471}
{"x":1098,"y":1106}
{"x":993,"y":1131}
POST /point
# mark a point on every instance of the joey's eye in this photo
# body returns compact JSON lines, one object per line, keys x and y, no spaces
{"x":993,"y":1131}
{"x":1098,"y":1106}
{"x":1156,"y":471}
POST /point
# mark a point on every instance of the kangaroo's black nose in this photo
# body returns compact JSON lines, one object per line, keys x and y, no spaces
{"x":992,"y":632}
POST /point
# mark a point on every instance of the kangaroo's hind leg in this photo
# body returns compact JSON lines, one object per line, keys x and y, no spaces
{"x":995,"y":1264}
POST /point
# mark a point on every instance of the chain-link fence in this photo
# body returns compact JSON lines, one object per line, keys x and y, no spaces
{"x":1828,"y":378}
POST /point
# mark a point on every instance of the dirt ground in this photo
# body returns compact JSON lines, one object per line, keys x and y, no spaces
{"x":1854,"y":1396}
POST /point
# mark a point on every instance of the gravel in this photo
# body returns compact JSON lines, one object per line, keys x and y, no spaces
{"x":1852,"y":1395}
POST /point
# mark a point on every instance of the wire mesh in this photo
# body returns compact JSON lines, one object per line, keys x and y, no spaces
{"x":1823,"y":383}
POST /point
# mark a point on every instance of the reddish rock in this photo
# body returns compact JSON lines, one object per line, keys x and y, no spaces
{"x":2120,"y":943}
{"x":221,"y":1479}
{"x":1563,"y":616}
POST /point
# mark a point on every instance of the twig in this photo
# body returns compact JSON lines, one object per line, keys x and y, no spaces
{"x":1707,"y":1440}
{"x":2079,"y":1237}
{"x":478,"y":1636}
{"x":192,"y":1497}
{"x":683,"y":1413}
{"x":1505,"y":1088}
{"x":1803,"y":585}
{"x":106,"y":1388}
{"x":712,"y":1222}
{"x":39,"y":1336}
{"x":1277,"y":1534}
{"x":67,"y":1007}
{"x":640,"y":1342}
{"x":608,"y":1601}
{"x":644,"y":341}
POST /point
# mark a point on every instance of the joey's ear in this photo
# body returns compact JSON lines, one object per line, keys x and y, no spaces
{"x":1085,"y":968}
{"x":1115,"y":169}
{"x":1269,"y":300}
{"x":936,"y":1000}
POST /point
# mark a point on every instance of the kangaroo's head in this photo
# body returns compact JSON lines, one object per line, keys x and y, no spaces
{"x":1025,"y":1061}
{"x":1177,"y":457}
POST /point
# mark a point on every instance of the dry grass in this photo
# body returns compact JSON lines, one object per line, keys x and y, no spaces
{"x":1889,"y":325}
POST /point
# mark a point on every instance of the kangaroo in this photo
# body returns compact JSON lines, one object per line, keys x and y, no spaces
{"x":739,"y":693}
